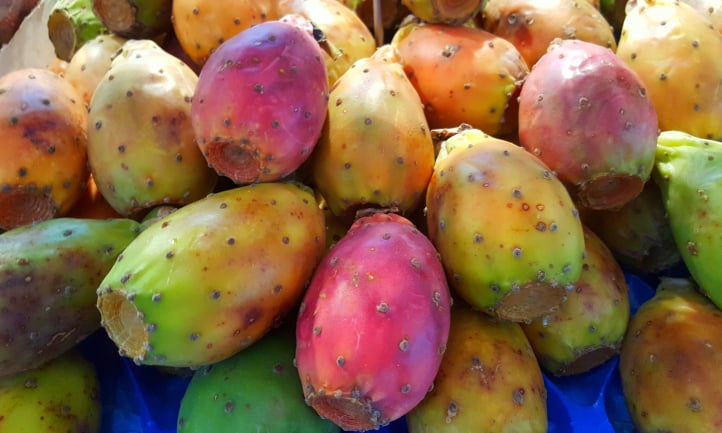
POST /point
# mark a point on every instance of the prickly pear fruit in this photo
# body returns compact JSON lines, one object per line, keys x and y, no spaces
{"x":373,"y":324}
{"x":43,"y":158}
{"x":638,"y":233}
{"x":455,"y":12}
{"x":255,"y":390}
{"x":482,"y":75}
{"x":375,"y":149}
{"x":90,"y":63}
{"x":92,"y":204}
{"x":71,"y":24}
{"x":141,"y":147}
{"x":341,"y":26}
{"x":135,"y":19}
{"x":588,"y":328}
{"x":214,"y":276}
{"x":49,"y":272}
{"x":674,"y":50}
{"x":687,"y":171}
{"x":261,"y":102}
{"x":710,"y":9}
{"x":532,"y":25}
{"x":586,"y":114}
{"x":507,"y":230}
{"x":62,"y":395}
{"x":489,"y":381}
{"x":670,"y":359}
{"x":201,"y":26}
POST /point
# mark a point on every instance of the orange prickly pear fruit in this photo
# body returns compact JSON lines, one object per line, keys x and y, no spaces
{"x":505,"y":226}
{"x":482,"y":75}
{"x":43,"y":159}
{"x":201,"y":26}
{"x":376,"y":149}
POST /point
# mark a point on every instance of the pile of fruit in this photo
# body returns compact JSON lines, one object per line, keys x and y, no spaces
{"x":334,"y":215}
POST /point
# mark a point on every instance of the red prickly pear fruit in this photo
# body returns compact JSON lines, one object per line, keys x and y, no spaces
{"x":261,"y":102}
{"x":675,"y":51}
{"x":212,"y":277}
{"x":588,"y":329}
{"x":482,"y":75}
{"x":489,"y":381}
{"x":533,"y":25}
{"x":587,"y":115}
{"x":43,"y":157}
{"x":141,"y":147}
{"x":201,"y":26}
{"x":373,"y":324}
{"x":507,"y":230}
{"x":376,"y":148}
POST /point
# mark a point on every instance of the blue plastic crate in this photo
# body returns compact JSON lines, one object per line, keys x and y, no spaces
{"x":140,"y":399}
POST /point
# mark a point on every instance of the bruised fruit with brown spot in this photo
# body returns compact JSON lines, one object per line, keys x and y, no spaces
{"x":214,"y":276}
{"x":43,"y":159}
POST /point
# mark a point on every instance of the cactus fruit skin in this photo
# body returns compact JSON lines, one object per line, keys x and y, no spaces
{"x":687,"y":171}
{"x":90,"y":63}
{"x":375,"y":149}
{"x":482,"y":75}
{"x":255,"y":390}
{"x":588,"y":328}
{"x":489,"y":381}
{"x":141,"y":147}
{"x":261,"y":102}
{"x":135,"y":19}
{"x":638,"y":234}
{"x":43,"y":159}
{"x":71,"y":24}
{"x":670,"y":359}
{"x":201,"y":26}
{"x":454,"y":12}
{"x":674,"y":50}
{"x":211,"y":278}
{"x":49,"y":272}
{"x":509,"y":235}
{"x":586,"y":114}
{"x":373,"y":324}
{"x":532,"y":25}
{"x":61,"y":395}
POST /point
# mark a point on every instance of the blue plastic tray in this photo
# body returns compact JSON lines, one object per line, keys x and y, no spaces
{"x":140,"y":399}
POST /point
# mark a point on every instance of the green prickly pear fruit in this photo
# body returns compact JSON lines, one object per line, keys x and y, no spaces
{"x":688,"y":172}
{"x":141,"y":147}
{"x":49,"y":272}
{"x":507,"y":230}
{"x":90,"y":63}
{"x":61,"y":395}
{"x":135,"y":19}
{"x":211,"y":278}
{"x":255,"y":390}
{"x":669,"y":362}
{"x":675,"y":51}
{"x":376,"y":149}
{"x":587,"y":330}
{"x":71,"y":24}
{"x":489,"y":381}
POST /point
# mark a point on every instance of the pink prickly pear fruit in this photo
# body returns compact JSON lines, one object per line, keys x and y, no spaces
{"x":533,"y":25}
{"x":588,"y":329}
{"x":211,"y":278}
{"x":489,"y":381}
{"x":43,"y":157}
{"x":674,"y":50}
{"x":373,"y":324}
{"x":90,"y":63}
{"x":669,"y":363}
{"x":482,"y":75}
{"x":587,"y":115}
{"x":507,"y":229}
{"x":376,"y":149}
{"x":141,"y":147}
{"x":639,"y":233}
{"x":261,"y":102}
{"x":342,"y":28}
{"x":201,"y":26}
